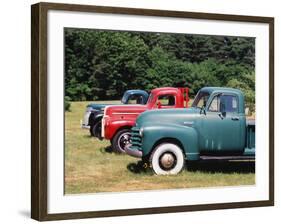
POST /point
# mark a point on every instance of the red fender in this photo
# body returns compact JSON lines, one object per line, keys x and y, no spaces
{"x":112,"y":128}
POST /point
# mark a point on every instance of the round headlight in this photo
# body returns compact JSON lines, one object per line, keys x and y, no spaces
{"x":141,"y":132}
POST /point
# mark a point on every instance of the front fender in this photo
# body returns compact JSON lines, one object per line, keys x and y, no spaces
{"x":95,"y":117}
{"x":187,"y":136}
{"x":114,"y":126}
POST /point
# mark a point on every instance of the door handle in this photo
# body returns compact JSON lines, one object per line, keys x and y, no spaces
{"x":235,"y":118}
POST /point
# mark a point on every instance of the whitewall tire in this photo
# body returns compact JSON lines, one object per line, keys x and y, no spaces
{"x":167,"y":159}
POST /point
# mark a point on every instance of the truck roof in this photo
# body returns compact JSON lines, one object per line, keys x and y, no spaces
{"x":136,"y":91}
{"x":225,"y":89}
{"x":164,"y":89}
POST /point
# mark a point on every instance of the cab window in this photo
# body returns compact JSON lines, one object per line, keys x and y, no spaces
{"x":166,"y":100}
{"x":228,"y":103}
{"x":135,"y":99}
{"x":224,"y":103}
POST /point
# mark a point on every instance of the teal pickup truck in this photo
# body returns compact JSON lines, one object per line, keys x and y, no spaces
{"x":215,"y":125}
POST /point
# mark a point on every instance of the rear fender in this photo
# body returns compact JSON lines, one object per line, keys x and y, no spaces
{"x":186,"y":136}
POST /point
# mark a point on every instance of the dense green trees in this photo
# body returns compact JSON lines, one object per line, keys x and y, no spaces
{"x":103,"y":64}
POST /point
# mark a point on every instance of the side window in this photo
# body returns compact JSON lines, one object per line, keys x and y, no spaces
{"x":224,"y":103}
{"x":166,"y":100}
{"x":228,"y":103}
{"x":214,"y":106}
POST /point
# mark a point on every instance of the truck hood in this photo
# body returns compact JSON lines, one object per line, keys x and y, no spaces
{"x":125,"y":109}
{"x":167,"y":116}
{"x":98,"y":106}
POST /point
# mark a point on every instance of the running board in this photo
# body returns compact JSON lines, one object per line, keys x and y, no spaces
{"x":227,"y":157}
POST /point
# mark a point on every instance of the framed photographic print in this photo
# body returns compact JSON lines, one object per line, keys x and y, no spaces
{"x":140,"y":111}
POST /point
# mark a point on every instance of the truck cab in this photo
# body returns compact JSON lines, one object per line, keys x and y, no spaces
{"x":215,"y":124}
{"x":118,"y":120}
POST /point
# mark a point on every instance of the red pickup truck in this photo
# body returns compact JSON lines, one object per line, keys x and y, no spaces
{"x":118,"y":120}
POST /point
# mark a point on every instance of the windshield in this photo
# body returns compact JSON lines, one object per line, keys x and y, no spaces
{"x":134,"y":98}
{"x":201,"y":99}
{"x":125,"y":97}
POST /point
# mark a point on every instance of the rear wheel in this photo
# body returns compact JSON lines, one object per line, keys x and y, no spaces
{"x":167,"y":159}
{"x":120,"y":140}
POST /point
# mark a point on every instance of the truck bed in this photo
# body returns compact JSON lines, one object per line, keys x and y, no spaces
{"x":251,"y":122}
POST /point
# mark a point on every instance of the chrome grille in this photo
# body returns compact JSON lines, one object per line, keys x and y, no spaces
{"x":135,"y":139}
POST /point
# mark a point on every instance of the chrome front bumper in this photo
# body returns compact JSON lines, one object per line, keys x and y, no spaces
{"x":83,"y":126}
{"x":85,"y":122}
{"x":133,"y":152}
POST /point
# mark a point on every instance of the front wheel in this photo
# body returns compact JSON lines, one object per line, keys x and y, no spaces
{"x":95,"y":130}
{"x":120,"y":140}
{"x":167,"y":159}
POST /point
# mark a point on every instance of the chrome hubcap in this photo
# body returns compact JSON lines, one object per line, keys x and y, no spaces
{"x":167,"y":160}
{"x":124,"y":139}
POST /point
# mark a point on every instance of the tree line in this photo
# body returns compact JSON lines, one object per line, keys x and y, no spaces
{"x":101,"y":65}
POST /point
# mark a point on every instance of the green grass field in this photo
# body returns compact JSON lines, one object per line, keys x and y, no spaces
{"x":90,"y":166}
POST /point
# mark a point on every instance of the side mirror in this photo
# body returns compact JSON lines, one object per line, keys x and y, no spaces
{"x":203,"y":110}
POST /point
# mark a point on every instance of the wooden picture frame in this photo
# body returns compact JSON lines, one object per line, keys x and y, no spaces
{"x":39,"y":110}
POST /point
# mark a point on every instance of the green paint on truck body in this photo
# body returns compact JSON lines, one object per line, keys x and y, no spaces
{"x":218,"y":126}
